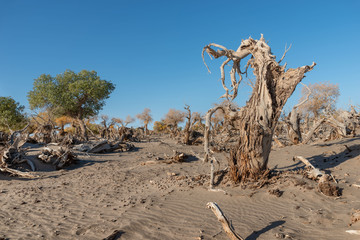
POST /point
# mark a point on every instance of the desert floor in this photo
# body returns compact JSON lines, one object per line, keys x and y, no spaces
{"x":110,"y":192}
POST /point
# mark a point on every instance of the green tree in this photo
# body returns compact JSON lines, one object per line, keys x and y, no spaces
{"x":77,"y":95}
{"x":11,"y":114}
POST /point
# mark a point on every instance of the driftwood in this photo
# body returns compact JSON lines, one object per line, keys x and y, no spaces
{"x":16,"y":154}
{"x":314,"y":172}
{"x":226,"y":224}
{"x":324,"y":185}
{"x":355,"y":232}
{"x":103,"y":146}
{"x":177,"y":157}
{"x":60,"y":158}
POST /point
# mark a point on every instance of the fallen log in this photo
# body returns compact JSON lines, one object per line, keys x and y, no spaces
{"x":324,"y":185}
{"x":355,"y":232}
{"x":17,"y":172}
{"x":60,"y":158}
{"x":227,"y":226}
{"x":314,"y":173}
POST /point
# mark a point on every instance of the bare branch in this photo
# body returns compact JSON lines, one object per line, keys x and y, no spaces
{"x":286,"y":50}
{"x":226,"y":224}
{"x":307,"y":96}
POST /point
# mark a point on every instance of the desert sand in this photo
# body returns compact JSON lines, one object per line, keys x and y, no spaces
{"x":116,"y":193}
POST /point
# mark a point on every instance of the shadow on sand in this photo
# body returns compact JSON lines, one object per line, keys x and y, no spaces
{"x":256,"y":234}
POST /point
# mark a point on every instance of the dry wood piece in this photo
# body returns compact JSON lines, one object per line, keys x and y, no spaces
{"x":104,"y":146}
{"x":293,"y":121}
{"x":227,"y":226}
{"x":17,"y":172}
{"x":60,"y":158}
{"x":15,"y":154}
{"x":324,"y":186}
{"x":355,"y":216}
{"x":278,"y":142}
{"x":314,"y":173}
{"x":327,"y":188}
{"x":355,"y":232}
{"x":177,"y":157}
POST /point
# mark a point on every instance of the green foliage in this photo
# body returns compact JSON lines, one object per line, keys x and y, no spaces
{"x":160,"y":127}
{"x":11,"y":114}
{"x":77,"y":95}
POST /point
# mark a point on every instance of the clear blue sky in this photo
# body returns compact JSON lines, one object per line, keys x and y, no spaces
{"x":151,"y":50}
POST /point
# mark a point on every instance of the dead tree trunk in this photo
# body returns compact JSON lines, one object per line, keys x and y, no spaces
{"x":257,"y":120}
{"x":293,"y":122}
{"x":187,"y":129}
{"x":83,"y":129}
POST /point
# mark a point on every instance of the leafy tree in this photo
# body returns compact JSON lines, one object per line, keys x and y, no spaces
{"x":159,"y":127}
{"x":11,"y":114}
{"x":145,"y":118}
{"x":62,"y":121}
{"x":322,"y":99}
{"x":76,"y":95}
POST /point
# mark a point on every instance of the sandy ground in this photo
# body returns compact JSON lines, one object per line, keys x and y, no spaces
{"x":111,"y":192}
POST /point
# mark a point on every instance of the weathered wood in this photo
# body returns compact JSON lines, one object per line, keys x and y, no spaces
{"x":257,"y":120}
{"x":101,"y":146}
{"x":17,"y":172}
{"x":355,"y":232}
{"x":314,"y":172}
{"x":294,"y":131}
{"x":226,"y":224}
{"x":315,"y":126}
{"x":60,"y":157}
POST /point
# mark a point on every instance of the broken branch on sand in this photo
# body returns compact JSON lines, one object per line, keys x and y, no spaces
{"x":314,"y":173}
{"x":324,"y":185}
{"x":227,"y":226}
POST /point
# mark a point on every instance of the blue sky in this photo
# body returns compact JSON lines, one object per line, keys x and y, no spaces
{"x":151,"y":50}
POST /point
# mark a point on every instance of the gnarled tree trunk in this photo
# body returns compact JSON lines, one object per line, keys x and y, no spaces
{"x":83,"y":129}
{"x":257,"y":120}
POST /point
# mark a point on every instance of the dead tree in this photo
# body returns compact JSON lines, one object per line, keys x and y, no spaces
{"x":191,"y":120}
{"x":293,"y":121}
{"x":257,"y":120}
{"x":187,"y":129}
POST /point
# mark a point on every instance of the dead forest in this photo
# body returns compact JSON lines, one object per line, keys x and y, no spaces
{"x":244,"y":134}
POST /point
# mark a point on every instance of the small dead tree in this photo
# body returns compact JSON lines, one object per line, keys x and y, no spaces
{"x":107,"y":127}
{"x":257,"y":120}
{"x":187,"y":129}
{"x":293,"y":120}
{"x":191,"y":120}
{"x":172,"y":120}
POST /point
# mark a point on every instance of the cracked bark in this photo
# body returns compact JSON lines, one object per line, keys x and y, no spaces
{"x":256,"y":121}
